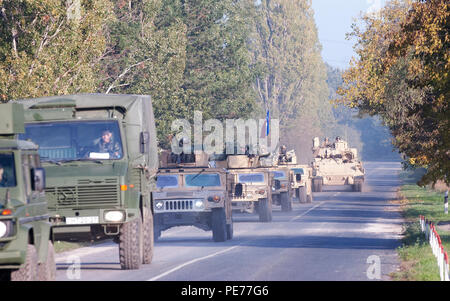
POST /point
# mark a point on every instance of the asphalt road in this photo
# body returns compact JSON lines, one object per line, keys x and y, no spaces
{"x":342,"y":235}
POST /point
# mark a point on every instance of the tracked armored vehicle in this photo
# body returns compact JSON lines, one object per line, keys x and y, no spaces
{"x":336,"y":164}
{"x":26,"y":248}
{"x":190,"y":193}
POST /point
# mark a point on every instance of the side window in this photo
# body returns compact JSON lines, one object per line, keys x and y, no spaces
{"x":26,"y":174}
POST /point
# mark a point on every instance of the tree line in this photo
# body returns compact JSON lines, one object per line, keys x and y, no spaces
{"x":401,"y":74}
{"x":229,"y":59}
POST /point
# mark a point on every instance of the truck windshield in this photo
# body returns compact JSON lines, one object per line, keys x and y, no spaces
{"x":279,"y":175}
{"x":75,"y":140}
{"x":167,"y":181}
{"x":251,"y":178}
{"x":7,"y":170}
{"x":298,"y":171}
{"x":202,"y":180}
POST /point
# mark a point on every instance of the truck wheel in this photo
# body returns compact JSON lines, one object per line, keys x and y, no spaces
{"x":131,"y":245}
{"x":156,"y":227}
{"x":28,"y":271}
{"x":317,"y":185}
{"x":358,"y":186}
{"x":286,"y":203}
{"x":265,"y":210}
{"x":149,"y":238}
{"x":47,"y":269}
{"x":230,"y":231}
{"x":309,"y":198}
{"x":302,"y":194}
{"x":219,"y":224}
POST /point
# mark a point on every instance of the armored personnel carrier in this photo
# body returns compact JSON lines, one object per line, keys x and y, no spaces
{"x":336,"y":164}
{"x":249,"y":184}
{"x":26,"y":250}
{"x":190,"y":193}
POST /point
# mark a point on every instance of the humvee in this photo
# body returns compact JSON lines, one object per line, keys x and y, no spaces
{"x":336,"y":164}
{"x":189,"y":192}
{"x":100,"y":156}
{"x":282,"y":192}
{"x":249,"y":185}
{"x":300,"y":177}
{"x":26,"y":248}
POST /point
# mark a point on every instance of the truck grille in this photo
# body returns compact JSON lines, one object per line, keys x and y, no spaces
{"x":179,"y":205}
{"x":82,"y":196}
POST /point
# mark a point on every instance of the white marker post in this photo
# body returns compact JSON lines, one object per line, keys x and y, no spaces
{"x":446,"y":202}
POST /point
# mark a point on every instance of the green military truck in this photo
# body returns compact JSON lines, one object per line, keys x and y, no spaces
{"x":190,"y":193}
{"x":100,"y":156}
{"x":26,"y":250}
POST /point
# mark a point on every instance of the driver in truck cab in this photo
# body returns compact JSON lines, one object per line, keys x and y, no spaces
{"x":106,"y":144}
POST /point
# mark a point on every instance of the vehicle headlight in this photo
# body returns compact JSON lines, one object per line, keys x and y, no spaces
{"x":199,"y":204}
{"x":5,"y":227}
{"x":114,"y":216}
{"x":159,"y":205}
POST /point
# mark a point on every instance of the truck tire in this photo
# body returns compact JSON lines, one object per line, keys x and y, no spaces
{"x":230,"y":231}
{"x":149,"y":238}
{"x":131,"y":245}
{"x":302,"y":194}
{"x":156,"y":227}
{"x":219,"y":224}
{"x":358,"y":185}
{"x":265,"y":210}
{"x":286,"y":202}
{"x":28,"y":271}
{"x":317,"y":185}
{"x":309,"y":198}
{"x":47,"y":269}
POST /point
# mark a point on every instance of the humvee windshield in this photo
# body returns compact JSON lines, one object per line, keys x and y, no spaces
{"x":169,"y":181}
{"x":75,"y":140}
{"x":298,"y":171}
{"x":279,"y":175}
{"x":202,"y":180}
{"x":251,"y":178}
{"x":7,"y":170}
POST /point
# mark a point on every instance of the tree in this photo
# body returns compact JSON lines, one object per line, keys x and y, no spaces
{"x":402,"y":76}
{"x":50,"y":47}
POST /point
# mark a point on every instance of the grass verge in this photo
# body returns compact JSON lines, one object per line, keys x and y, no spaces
{"x":417,"y":260}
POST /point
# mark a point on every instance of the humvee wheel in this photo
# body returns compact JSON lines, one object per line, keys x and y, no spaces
{"x":219,"y":224}
{"x":265,"y":210}
{"x":358,"y":186}
{"x":28,"y":271}
{"x":309,"y":198}
{"x":317,"y":185}
{"x":230,"y":231}
{"x":47,"y":269}
{"x":131,"y":245}
{"x":149,"y":238}
{"x":286,"y":203}
{"x":302,"y":194}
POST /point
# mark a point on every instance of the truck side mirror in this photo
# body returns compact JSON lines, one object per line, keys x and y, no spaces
{"x":38,"y":179}
{"x":144,"y":142}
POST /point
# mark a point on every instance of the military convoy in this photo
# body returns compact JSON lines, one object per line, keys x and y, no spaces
{"x":191,"y":193}
{"x":100,"y":156}
{"x":26,"y":248}
{"x":104,"y":179}
{"x":336,"y":164}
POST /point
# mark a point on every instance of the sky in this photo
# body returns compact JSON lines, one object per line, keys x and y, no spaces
{"x":334,"y":19}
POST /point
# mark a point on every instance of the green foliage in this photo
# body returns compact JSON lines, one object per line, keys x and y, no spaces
{"x":46,"y":48}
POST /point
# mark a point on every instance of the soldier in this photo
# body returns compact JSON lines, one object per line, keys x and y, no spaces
{"x":283,"y":154}
{"x":106,"y":144}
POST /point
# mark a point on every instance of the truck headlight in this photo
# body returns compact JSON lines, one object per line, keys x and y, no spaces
{"x":159,"y":205}
{"x":114,"y":216}
{"x":5,"y":229}
{"x":199,"y":204}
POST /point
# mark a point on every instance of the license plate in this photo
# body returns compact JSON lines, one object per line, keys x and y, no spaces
{"x":82,"y":220}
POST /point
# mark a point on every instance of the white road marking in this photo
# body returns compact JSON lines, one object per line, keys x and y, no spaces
{"x":191,"y":262}
{"x":306,"y":212}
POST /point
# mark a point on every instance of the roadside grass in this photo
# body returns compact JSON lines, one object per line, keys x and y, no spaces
{"x":62,"y":246}
{"x":418,"y":262}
